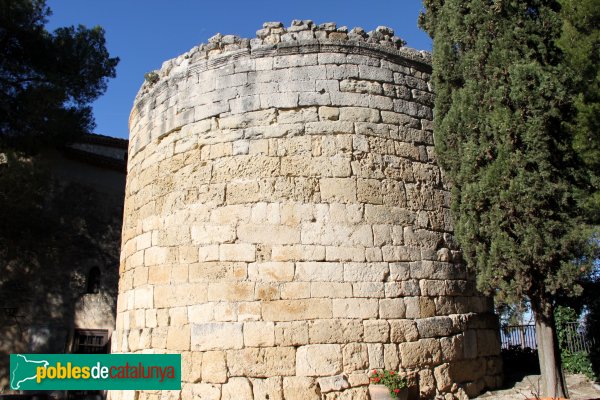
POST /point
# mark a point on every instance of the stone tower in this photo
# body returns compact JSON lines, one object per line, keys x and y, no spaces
{"x":287,"y":227}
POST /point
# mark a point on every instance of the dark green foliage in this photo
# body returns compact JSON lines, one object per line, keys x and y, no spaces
{"x":580,"y":42}
{"x":512,"y":314}
{"x":574,"y":362}
{"x":502,"y":94}
{"x":47,"y":80}
{"x":587,"y":306}
{"x":507,"y":135}
{"x":578,"y":362}
{"x":562,"y":316}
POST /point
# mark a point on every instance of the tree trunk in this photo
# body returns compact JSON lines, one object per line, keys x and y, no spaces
{"x":553,"y":380}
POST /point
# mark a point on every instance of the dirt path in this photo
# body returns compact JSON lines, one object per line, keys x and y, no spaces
{"x":580,"y":388}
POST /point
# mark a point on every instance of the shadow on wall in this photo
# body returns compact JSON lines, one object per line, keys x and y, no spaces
{"x":53,"y":233}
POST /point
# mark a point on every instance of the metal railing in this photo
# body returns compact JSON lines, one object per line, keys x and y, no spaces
{"x":575,"y":338}
{"x":518,"y":335}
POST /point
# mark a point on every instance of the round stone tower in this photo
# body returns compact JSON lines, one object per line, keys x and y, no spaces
{"x":287,"y":227}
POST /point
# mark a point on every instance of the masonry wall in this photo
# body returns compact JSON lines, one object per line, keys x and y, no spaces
{"x":287,"y":227}
{"x":44,"y":268}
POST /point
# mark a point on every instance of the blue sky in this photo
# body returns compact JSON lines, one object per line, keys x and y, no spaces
{"x":143,"y":34}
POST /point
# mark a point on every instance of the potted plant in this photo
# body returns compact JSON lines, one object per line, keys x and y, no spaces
{"x":387,"y":385}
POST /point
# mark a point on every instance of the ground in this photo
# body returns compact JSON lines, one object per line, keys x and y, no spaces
{"x":580,"y":388}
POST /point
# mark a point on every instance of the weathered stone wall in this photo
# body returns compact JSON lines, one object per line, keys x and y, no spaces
{"x":71,"y":225}
{"x":287,"y":227}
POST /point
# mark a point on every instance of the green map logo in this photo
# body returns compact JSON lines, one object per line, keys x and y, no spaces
{"x":95,"y":371}
{"x":24,"y":370}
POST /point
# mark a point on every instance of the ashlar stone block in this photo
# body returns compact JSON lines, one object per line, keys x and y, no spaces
{"x":262,"y":362}
{"x":319,"y":360}
{"x":214,"y":367}
{"x":259,"y":334}
{"x":420,"y":353}
{"x":217,"y":336}
{"x":300,"y":388}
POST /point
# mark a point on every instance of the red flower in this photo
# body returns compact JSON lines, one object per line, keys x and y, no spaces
{"x":376,"y":380}
{"x":392,"y":372}
{"x":396,"y":391}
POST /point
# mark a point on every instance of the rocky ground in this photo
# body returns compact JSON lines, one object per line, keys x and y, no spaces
{"x":580,"y":388}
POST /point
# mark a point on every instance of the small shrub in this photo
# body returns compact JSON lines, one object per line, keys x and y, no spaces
{"x":574,"y":362}
{"x":151,"y":77}
{"x":578,"y":363}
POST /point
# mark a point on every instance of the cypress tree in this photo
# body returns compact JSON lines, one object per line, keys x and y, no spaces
{"x":503,"y":94}
{"x":580,"y":42}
